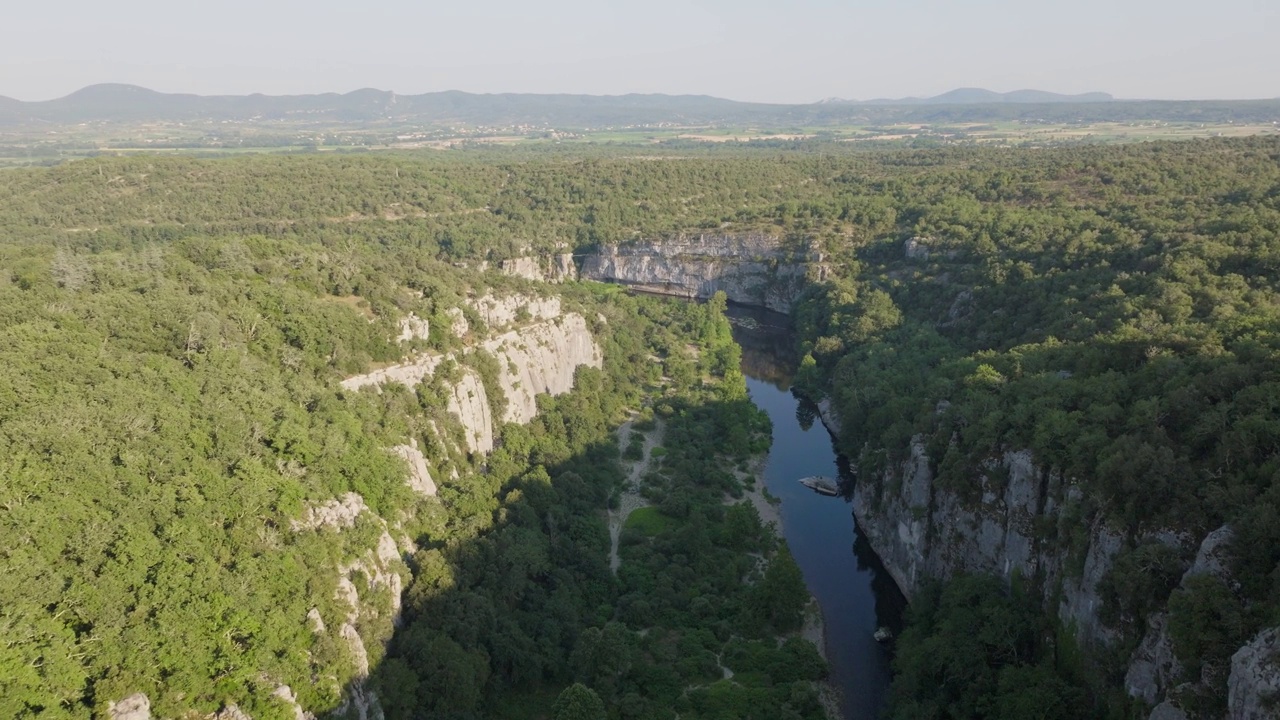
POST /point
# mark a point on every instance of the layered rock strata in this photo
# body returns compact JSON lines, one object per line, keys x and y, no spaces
{"x":920,"y":530}
{"x":751,"y":268}
{"x":539,"y":349}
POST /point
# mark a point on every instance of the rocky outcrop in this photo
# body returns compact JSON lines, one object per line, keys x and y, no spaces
{"x":419,"y":479}
{"x":1153,"y":667}
{"x":923,"y":533}
{"x":540,"y":353}
{"x":827,"y":414}
{"x":916,"y":248}
{"x":382,"y":569}
{"x":501,"y":312}
{"x":554,"y":269}
{"x":1154,"y":670}
{"x":1081,"y":600}
{"x":408,"y":373}
{"x":1167,"y":711}
{"x":413,"y":327}
{"x":542,"y":358}
{"x":231,"y":711}
{"x":338,"y":513}
{"x":469,"y":402}
{"x":538,"y":348}
{"x":1253,"y":689}
{"x":138,"y":707}
{"x":135,"y":707}
{"x":286,"y":694}
{"x":751,"y":268}
{"x":920,"y":531}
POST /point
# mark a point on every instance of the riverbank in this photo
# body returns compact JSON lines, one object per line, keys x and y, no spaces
{"x":854,"y":595}
{"x":756,"y":492}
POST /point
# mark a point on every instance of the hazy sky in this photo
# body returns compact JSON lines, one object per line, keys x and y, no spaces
{"x":795,"y":51}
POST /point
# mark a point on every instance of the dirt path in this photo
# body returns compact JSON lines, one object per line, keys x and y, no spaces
{"x":630,"y":500}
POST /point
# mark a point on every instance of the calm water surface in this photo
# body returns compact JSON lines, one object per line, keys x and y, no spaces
{"x":855,"y":593}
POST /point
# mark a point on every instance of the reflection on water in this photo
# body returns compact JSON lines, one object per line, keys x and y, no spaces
{"x":856,"y":594}
{"x":768,"y":346}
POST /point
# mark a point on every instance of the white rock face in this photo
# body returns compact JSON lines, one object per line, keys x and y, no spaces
{"x":499,"y":312}
{"x":469,"y":402}
{"x":1253,"y":689}
{"x":562,"y":268}
{"x":315,"y":621}
{"x":1213,"y":556}
{"x":540,"y":352}
{"x":419,"y":476}
{"x":413,"y":327}
{"x":338,"y":513}
{"x":751,"y":268}
{"x":540,"y":359}
{"x":540,"y":355}
{"x":458,"y":324}
{"x":285,"y":693}
{"x":135,"y":707}
{"x":992,"y":538}
{"x":1081,"y":600}
{"x":917,"y":248}
{"x":408,"y":373}
{"x":382,"y":567}
{"x":348,"y":633}
{"x":554,"y":269}
{"x":920,"y":532}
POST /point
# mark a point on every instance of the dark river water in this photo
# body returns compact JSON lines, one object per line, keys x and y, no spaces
{"x":856,"y":594}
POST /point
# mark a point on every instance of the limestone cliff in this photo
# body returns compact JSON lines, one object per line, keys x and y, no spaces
{"x":751,"y":268}
{"x":542,"y":358}
{"x":1253,"y":689}
{"x":553,"y":269}
{"x":539,"y":348}
{"x":499,"y":312}
{"x":921,"y":531}
{"x":1153,"y":668}
{"x":539,"y":351}
{"x":1018,"y":522}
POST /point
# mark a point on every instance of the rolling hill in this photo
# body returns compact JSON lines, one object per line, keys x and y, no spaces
{"x":116,"y":103}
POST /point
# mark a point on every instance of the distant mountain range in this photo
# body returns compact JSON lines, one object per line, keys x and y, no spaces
{"x":132,"y":104}
{"x":980,"y":96}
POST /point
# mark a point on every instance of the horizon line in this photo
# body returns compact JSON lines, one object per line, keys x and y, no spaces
{"x":826,"y":99}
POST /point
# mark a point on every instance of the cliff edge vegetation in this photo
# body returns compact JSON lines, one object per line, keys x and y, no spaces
{"x":1062,"y":366}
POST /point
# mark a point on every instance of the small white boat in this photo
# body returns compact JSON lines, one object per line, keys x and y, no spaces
{"x":821,"y":485}
{"x":883,"y":634}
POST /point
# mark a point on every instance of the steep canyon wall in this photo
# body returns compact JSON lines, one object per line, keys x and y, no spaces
{"x":538,"y":347}
{"x":751,"y":268}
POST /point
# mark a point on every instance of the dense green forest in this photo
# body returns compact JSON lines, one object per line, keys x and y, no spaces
{"x":173,"y":331}
{"x":1117,"y":313}
{"x":169,"y":409}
